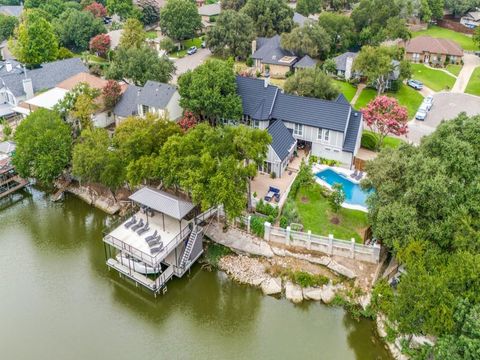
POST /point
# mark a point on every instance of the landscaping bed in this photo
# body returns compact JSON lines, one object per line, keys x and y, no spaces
{"x":436,"y":80}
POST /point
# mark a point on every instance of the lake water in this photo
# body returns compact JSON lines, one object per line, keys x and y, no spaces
{"x":59,"y":301}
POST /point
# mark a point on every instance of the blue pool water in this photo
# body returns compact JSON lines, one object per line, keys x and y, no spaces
{"x":354,"y":195}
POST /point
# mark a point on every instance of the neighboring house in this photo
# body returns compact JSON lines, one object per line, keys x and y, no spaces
{"x":18,"y":84}
{"x":433,"y":51}
{"x":300,"y":20}
{"x":11,"y":10}
{"x":471,"y":19}
{"x":154,"y":97}
{"x":330,"y":129}
{"x":208,"y":13}
{"x":267,"y":53}
{"x":305,"y":62}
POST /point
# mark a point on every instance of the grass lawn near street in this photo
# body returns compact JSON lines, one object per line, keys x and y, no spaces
{"x":408,"y":97}
{"x":436,"y":31}
{"x":436,"y":80}
{"x":473,"y":86}
{"x":388,"y":141}
{"x":454,"y":69}
{"x":365,"y":97}
{"x":316,"y":215}
{"x":186,"y":44}
{"x":347,"y":89}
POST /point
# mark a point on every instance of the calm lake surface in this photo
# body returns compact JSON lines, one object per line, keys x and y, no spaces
{"x":59,"y":301}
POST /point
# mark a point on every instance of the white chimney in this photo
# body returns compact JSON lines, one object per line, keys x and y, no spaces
{"x":28,"y":88}
{"x":266,"y":80}
{"x":254,"y":46}
{"x":348,"y":68}
{"x":8,"y":66}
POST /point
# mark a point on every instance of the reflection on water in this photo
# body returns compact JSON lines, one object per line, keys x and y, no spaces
{"x":59,"y":301}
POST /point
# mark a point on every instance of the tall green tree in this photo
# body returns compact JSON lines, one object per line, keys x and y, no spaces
{"x":270,"y":17}
{"x":140,"y":65}
{"x":340,"y":28}
{"x":312,"y":83}
{"x":232,"y":4}
{"x":308,"y":7}
{"x":44,"y":146}
{"x":35,"y":41}
{"x":179,"y":19}
{"x":133,"y":35}
{"x":232,"y":35}
{"x":123,"y":8}
{"x":210,"y":91}
{"x":7,"y":26}
{"x":461,"y":7}
{"x":375,"y":63}
{"x":312,"y":40}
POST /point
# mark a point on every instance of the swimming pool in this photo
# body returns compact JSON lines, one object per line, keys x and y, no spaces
{"x":354,"y":195}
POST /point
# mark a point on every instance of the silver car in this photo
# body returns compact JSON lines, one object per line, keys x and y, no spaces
{"x":421,"y":114}
{"x":427,"y":102}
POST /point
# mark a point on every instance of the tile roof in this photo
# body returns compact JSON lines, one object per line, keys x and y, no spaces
{"x":341,"y":60}
{"x":282,"y":139}
{"x":352,"y":131}
{"x":83,"y":77}
{"x":257,"y":100}
{"x":432,"y":45}
{"x":305,"y":62}
{"x":269,"y":51}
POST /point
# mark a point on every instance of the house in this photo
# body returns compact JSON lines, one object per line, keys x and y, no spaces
{"x":305,"y":62}
{"x":154,"y":97}
{"x":329,"y":129}
{"x":208,"y":13}
{"x":281,"y":150}
{"x":471,"y":19}
{"x":18,"y":83}
{"x":301,"y":20}
{"x":268,"y":54}
{"x":433,"y":51}
{"x":11,"y":10}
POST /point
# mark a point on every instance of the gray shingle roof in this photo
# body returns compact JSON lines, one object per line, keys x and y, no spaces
{"x":342,"y":99}
{"x":11,"y":10}
{"x":162,"y":202}
{"x":210,"y":9}
{"x":305,"y":62}
{"x":341,"y":60}
{"x":352,"y":131}
{"x":156,"y":94}
{"x":127,"y":105}
{"x":257,"y":100}
{"x":282,"y":139}
{"x":299,"y":19}
{"x":46,"y":76}
{"x":269,"y":51}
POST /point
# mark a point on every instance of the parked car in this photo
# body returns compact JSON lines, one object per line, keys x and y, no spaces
{"x":428,"y":102}
{"x":417,"y":85}
{"x":192,"y":50}
{"x":421,"y":114}
{"x":477,"y":53}
{"x":204,"y":44}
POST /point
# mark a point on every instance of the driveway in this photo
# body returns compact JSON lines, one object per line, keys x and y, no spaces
{"x":189,"y":62}
{"x":446,"y":106}
{"x":470,"y":63}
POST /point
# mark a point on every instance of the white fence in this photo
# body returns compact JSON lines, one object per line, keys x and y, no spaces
{"x":325,"y":244}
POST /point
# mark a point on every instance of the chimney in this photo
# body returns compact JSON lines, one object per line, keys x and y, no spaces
{"x":8,"y":66}
{"x":28,"y":88}
{"x":254,"y":46}
{"x":266,"y":81}
{"x":348,"y":68}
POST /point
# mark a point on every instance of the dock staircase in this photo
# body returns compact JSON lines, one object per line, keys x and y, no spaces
{"x":191,"y":242}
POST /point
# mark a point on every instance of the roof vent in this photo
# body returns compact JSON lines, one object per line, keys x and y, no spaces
{"x":355,"y":114}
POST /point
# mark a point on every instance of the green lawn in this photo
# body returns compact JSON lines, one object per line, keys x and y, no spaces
{"x":408,"y":97}
{"x":454,"y":69}
{"x":388,"y":142}
{"x":436,"y":80}
{"x":186,"y":44}
{"x":473,"y":86}
{"x":316,"y":215}
{"x":435,"y":31}
{"x":365,"y":97}
{"x":347,"y":89}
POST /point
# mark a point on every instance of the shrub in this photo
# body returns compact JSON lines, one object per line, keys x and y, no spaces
{"x":64,"y":53}
{"x":257,"y":226}
{"x":290,"y":213}
{"x":215,"y":252}
{"x":304,"y":177}
{"x":305,"y":279}
{"x":337,"y":197}
{"x":273,"y":175}
{"x":313,"y":159}
{"x":266,"y":209}
{"x":259,"y":73}
{"x":369,"y":141}
{"x":254,"y":194}
{"x":283,"y":222}
{"x":249,"y":61}
{"x":167,"y":44}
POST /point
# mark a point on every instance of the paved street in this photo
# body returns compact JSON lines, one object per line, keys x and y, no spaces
{"x":189,"y":62}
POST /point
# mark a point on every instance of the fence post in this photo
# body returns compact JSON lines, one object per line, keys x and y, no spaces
{"x":266,"y":234}
{"x":249,"y":218}
{"x":330,"y":244}
{"x":376,"y":253}
{"x":309,"y":239}
{"x":352,"y":251}
{"x":287,"y":235}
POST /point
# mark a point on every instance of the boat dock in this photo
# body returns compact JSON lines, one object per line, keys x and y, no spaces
{"x":10,"y":182}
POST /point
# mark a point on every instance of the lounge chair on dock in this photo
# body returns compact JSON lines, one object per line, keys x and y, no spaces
{"x":138,"y":226}
{"x":151,"y":237}
{"x":131,"y":222}
{"x":143,"y":229}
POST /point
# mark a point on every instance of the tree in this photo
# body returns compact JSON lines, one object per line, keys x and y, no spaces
{"x":36,"y":42}
{"x":375,"y":63}
{"x":150,"y":11}
{"x":100,"y":44}
{"x":476,"y":36}
{"x":232,"y":35}
{"x":312,"y":83}
{"x":307,"y":7}
{"x":340,"y":28}
{"x":385,"y":116}
{"x":123,"y":8}
{"x":75,"y":29}
{"x":97,"y":10}
{"x":7,"y":26}
{"x":43,"y":146}
{"x":179,"y":19}
{"x":336,"y":197}
{"x":329,"y":66}
{"x":232,"y":4}
{"x":52,"y":8}
{"x":188,"y":121}
{"x":140,"y":65}
{"x":311,"y":39}
{"x":270,"y":17}
{"x":209,"y":91}
{"x":167,"y":44}
{"x":460,"y":7}
{"x":83,"y":110}
{"x":133,"y":35}
{"x":111,"y":94}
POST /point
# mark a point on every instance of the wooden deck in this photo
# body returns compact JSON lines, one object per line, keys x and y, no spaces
{"x":7,"y":186}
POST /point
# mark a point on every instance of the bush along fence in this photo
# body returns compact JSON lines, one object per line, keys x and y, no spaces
{"x":325,"y":244}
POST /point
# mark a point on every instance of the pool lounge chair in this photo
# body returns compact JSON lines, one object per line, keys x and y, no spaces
{"x":155,"y":241}
{"x":354,"y":174}
{"x":131,"y":222}
{"x":157,"y":249}
{"x":151,"y":237}
{"x":138,"y":226}
{"x":143,"y":229}
{"x":359,"y":176}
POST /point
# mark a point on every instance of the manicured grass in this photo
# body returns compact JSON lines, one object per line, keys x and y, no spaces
{"x":473,"y":86}
{"x":365,"y":97}
{"x":408,"y":97}
{"x":186,"y":44}
{"x":347,"y":89}
{"x":454,"y":69}
{"x":316,"y":215}
{"x":435,"y":31}
{"x":436,"y":80}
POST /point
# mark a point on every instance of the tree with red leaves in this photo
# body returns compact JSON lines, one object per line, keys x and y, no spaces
{"x":188,"y":121}
{"x":100,"y":44}
{"x":385,"y":116}
{"x":111,"y":93}
{"x":98,"y":10}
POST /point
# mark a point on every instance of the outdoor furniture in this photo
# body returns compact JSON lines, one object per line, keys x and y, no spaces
{"x":276,"y":197}
{"x":272,"y":191}
{"x":138,"y":226}
{"x":269,"y":196}
{"x":131,"y":222}
{"x":143,"y":229}
{"x":359,"y":176}
{"x":154,"y":241}
{"x":151,"y":237}
{"x":354,"y":174}
{"x":157,"y":249}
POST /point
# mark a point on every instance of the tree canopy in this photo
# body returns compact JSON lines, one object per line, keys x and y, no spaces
{"x":308,"y":7}
{"x":340,"y":28}
{"x":311,"y":39}
{"x":7,"y":26}
{"x":312,"y":83}
{"x":375,"y":63}
{"x":232,"y":4}
{"x":44,"y":146}
{"x":133,"y":35}
{"x":270,"y":17}
{"x":179,"y":19}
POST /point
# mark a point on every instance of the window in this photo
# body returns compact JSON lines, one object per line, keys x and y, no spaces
{"x":298,"y":130}
{"x":256,"y":124}
{"x":326,"y":135}
{"x":145,"y":109}
{"x":319,"y":134}
{"x":416,"y":57}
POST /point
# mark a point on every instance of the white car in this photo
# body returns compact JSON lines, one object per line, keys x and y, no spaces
{"x":421,"y":114}
{"x":428,"y":102}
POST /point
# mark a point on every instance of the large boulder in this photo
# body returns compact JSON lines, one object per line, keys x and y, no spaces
{"x":293,"y":292}
{"x":342,"y":270}
{"x":272,"y":286}
{"x":327,"y":294}
{"x":312,"y":293}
